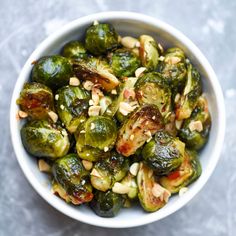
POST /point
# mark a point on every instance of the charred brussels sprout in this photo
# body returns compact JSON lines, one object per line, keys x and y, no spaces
{"x":164,"y":153}
{"x":74,"y":50}
{"x":124,"y":62}
{"x":100,"y":132}
{"x":101,"y":38}
{"x":151,"y":195}
{"x":148,"y":52}
{"x":97,"y":71}
{"x":36,"y":100}
{"x":72,"y":106}
{"x":151,"y":88}
{"x":195,"y":130}
{"x":54,"y":71}
{"x":187,"y":173}
{"x":138,"y":128}
{"x":190,"y":95}
{"x":108,"y":171}
{"x":173,"y":68}
{"x":42,"y":139}
{"x":107,"y":204}
{"x":69,"y":172}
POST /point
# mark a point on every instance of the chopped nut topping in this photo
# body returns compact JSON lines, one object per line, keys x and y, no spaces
{"x":154,"y":117}
{"x":106,"y":149}
{"x":160,"y":192}
{"x":149,"y":134}
{"x":53,"y":116}
{"x":139,"y":71}
{"x":173,"y":60}
{"x":129,"y":93}
{"x":94,"y":110}
{"x":88,"y":165}
{"x":160,"y":47}
{"x":182,"y":191}
{"x":74,"y":81}
{"x":22,"y":114}
{"x":96,"y":95}
{"x":161,"y":58}
{"x":91,"y":103}
{"x":95,"y":173}
{"x":120,"y":188}
{"x":196,"y":125}
{"x":178,"y":124}
{"x":177,"y":97}
{"x":95,"y":22}
{"x":44,"y":166}
{"x":62,"y":107}
{"x":125,"y":108}
{"x":82,"y":131}
{"x":137,"y":45}
{"x":129,"y":42}
{"x":113,"y":91}
{"x":134,"y":168}
{"x":56,"y":96}
{"x":92,"y":126}
{"x":131,"y":137}
{"x":64,"y":133}
{"x":88,"y":85}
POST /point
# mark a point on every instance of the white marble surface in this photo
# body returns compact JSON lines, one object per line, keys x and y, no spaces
{"x":209,"y":24}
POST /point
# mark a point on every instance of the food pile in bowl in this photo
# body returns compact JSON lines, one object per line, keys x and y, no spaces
{"x":115,"y":120}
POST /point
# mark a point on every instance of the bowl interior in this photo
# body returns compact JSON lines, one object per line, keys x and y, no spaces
{"x":134,"y":25}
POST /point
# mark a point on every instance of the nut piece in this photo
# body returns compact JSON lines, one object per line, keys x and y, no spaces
{"x":74,"y":81}
{"x":177,"y":97}
{"x":134,"y":168}
{"x":53,"y":116}
{"x":161,"y":58}
{"x":129,"y":42}
{"x":88,"y":165}
{"x":125,"y":108}
{"x":44,"y":166}
{"x":113,"y":91}
{"x":88,"y":85}
{"x":22,"y":114}
{"x":95,"y":173}
{"x":178,"y":124}
{"x":56,"y":97}
{"x":182,"y":191}
{"x":120,"y":188}
{"x":160,"y":192}
{"x":196,"y":125}
{"x":139,"y":71}
{"x":94,"y":110}
{"x":173,"y":60}
{"x":106,"y":149}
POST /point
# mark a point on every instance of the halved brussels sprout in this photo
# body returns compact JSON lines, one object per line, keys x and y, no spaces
{"x":54,"y":71}
{"x":151,"y":195}
{"x":69,"y":172}
{"x":43,"y":139}
{"x":72,"y":106}
{"x":124,"y":62}
{"x":101,"y":38}
{"x":188,"y":172}
{"x":151,"y":88}
{"x":74,"y":50}
{"x":107,"y":204}
{"x":148,"y":52}
{"x":138,"y":128}
{"x":173,"y":68}
{"x":100,"y":132}
{"x":190,"y":95}
{"x":164,"y":153}
{"x":98,"y":71}
{"x":195,"y":130}
{"x":108,"y":171}
{"x":36,"y":100}
{"x":130,"y":181}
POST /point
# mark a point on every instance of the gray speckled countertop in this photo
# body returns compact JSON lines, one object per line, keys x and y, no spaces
{"x":209,"y":24}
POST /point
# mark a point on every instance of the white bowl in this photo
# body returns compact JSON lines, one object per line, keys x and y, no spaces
{"x":126,"y":23}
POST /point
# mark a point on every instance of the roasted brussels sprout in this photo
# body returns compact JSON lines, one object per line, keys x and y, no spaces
{"x":173,"y":68}
{"x":108,"y":171}
{"x":152,"y":196}
{"x":124,"y":62}
{"x":151,"y":88}
{"x":69,"y":172}
{"x":43,"y":139}
{"x":148,"y":52}
{"x":195,"y":130}
{"x":164,"y":153}
{"x":36,"y":100}
{"x":74,"y":50}
{"x":130,"y":181}
{"x":72,"y":106}
{"x":98,"y":71}
{"x":190,"y":95}
{"x":188,"y":172}
{"x":138,"y":128}
{"x":54,"y":71}
{"x":107,"y":204}
{"x":100,"y":132}
{"x":101,"y":38}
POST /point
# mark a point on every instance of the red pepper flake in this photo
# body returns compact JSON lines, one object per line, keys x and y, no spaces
{"x":174,"y":175}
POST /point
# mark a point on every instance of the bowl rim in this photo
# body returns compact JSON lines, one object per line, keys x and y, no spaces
{"x":106,"y":16}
